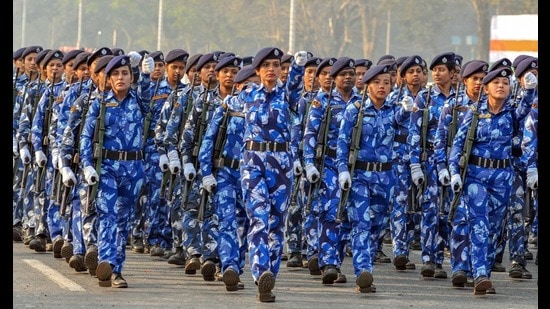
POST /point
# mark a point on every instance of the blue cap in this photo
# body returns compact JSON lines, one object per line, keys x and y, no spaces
{"x":313,"y":61}
{"x":458,"y":59}
{"x":498,"y":72}
{"x":472,"y":67}
{"x":70,"y":55}
{"x":399,"y":61}
{"x":246,"y":72}
{"x":31,"y":49}
{"x":17,"y":54}
{"x":287,"y":58}
{"x":53,"y":54}
{"x":363,"y":62}
{"x":327,"y":62}
{"x":157,"y":56}
{"x":102,"y":63}
{"x":204,"y":59}
{"x":375,"y":70}
{"x":502,"y":62}
{"x":117,"y":51}
{"x":226,"y":54}
{"x":228,"y":61}
{"x":392,"y":63}
{"x":518,"y":59}
{"x":411,"y":61}
{"x":391,"y":57}
{"x":444,"y":58}
{"x":247,"y":60}
{"x":526,"y":65}
{"x":117,"y":62}
{"x":342,"y":63}
{"x":81,"y":58}
{"x":266,"y":53}
{"x":41,"y":55}
{"x":103,"y":51}
{"x":192,"y":61}
{"x":177,"y":54}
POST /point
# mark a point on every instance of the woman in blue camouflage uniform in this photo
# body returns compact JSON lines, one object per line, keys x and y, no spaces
{"x":489,"y":175}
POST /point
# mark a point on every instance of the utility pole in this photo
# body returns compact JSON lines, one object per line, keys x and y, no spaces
{"x":159,"y":25}
{"x":291,"y":29}
{"x":79,"y":27}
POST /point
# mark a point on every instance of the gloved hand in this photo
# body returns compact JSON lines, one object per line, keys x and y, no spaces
{"x":40,"y":158}
{"x":532,"y":178}
{"x":175,"y":163}
{"x":530,"y":80}
{"x":90,"y":175}
{"x":55,"y":158}
{"x":444,"y":177}
{"x":344,"y":179}
{"x":300,"y":58}
{"x":209,"y":183}
{"x":416,"y":174}
{"x":297,"y":168}
{"x":189,"y":171}
{"x":456,"y":183}
{"x":148,"y":65}
{"x":135,"y":57}
{"x":312,"y":173}
{"x":164,"y":162}
{"x":407,"y":103}
{"x":25,"y":155}
{"x":15,"y":148}
{"x":67,"y":176}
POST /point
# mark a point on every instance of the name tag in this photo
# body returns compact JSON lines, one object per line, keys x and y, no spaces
{"x":481,"y":116}
{"x":160,"y":96}
{"x":111,"y":104}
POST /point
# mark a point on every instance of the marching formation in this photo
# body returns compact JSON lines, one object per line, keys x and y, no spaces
{"x":214,"y":160}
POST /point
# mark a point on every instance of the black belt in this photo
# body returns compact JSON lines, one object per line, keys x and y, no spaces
{"x":373,"y":166}
{"x":266,"y":146}
{"x":151,"y":134}
{"x":330,"y":152}
{"x":122,"y":155}
{"x":489,"y":163}
{"x":517,"y":152}
{"x":234,"y":164}
{"x":400,"y":138}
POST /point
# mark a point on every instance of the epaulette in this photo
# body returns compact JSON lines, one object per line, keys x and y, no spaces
{"x":357,"y":104}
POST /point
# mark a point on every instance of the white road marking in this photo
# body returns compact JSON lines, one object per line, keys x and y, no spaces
{"x":55,"y":276}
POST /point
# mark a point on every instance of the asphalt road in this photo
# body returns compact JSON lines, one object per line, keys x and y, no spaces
{"x":42,"y":281}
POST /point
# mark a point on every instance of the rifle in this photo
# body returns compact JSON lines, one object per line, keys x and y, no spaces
{"x":320,"y":149}
{"x":33,"y":104}
{"x":147,"y":120}
{"x":14,"y":90}
{"x":463,"y":162}
{"x":355,"y":144}
{"x":45,"y":138}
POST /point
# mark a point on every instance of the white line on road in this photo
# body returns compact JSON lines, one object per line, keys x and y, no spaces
{"x":54,"y":275}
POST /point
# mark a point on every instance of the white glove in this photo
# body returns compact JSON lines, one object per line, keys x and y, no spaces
{"x":530,"y":80}
{"x":55,"y":158}
{"x":175,"y":163}
{"x":456,"y":183}
{"x":15,"y":148}
{"x":25,"y":155}
{"x":417,"y":174}
{"x":135,"y":57}
{"x":163,"y":162}
{"x":209,"y":183}
{"x":68,"y":177}
{"x":444,"y":177}
{"x":90,"y":175}
{"x":189,"y":171}
{"x":297,"y":168}
{"x":345,"y":180}
{"x":300,"y":58}
{"x":40,"y":158}
{"x":148,"y":65}
{"x":60,"y":161}
{"x":407,"y":103}
{"x":312,"y":173}
{"x":532,"y":178}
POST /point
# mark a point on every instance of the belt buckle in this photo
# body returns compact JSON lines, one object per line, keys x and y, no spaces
{"x":378,"y":166}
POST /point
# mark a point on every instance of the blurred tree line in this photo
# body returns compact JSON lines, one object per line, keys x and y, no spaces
{"x":354,"y":28}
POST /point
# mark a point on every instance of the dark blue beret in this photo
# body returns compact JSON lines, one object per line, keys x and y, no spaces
{"x":218,"y":53}
{"x":81,"y":58}
{"x":102,"y":63}
{"x":143,"y":52}
{"x":327,"y":62}
{"x":71,"y":55}
{"x":177,"y":54}
{"x":117,"y":51}
{"x":400,"y":60}
{"x":502,"y":62}
{"x":31,"y":49}
{"x":192,"y":61}
{"x":384,"y":58}
{"x":103,"y":51}
{"x":442,"y":58}
{"x":363,"y":62}
{"x":518,"y":59}
{"x":246,"y":72}
{"x":41,"y":55}
{"x":472,"y":67}
{"x":410,"y":62}
{"x":313,"y":61}
{"x":266,"y":53}
{"x":53,"y":54}
{"x":226,"y":54}
{"x":228,"y":61}
{"x":498,"y":72}
{"x":204,"y":59}
{"x":247,"y":60}
{"x":392,"y":63}
{"x":287,"y":58}
{"x":525,"y":65}
{"x":157,"y":56}
{"x":458,"y":59}
{"x":375,"y":70}
{"x":342,"y":63}
{"x":117,"y":62}
{"x":17,"y":54}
